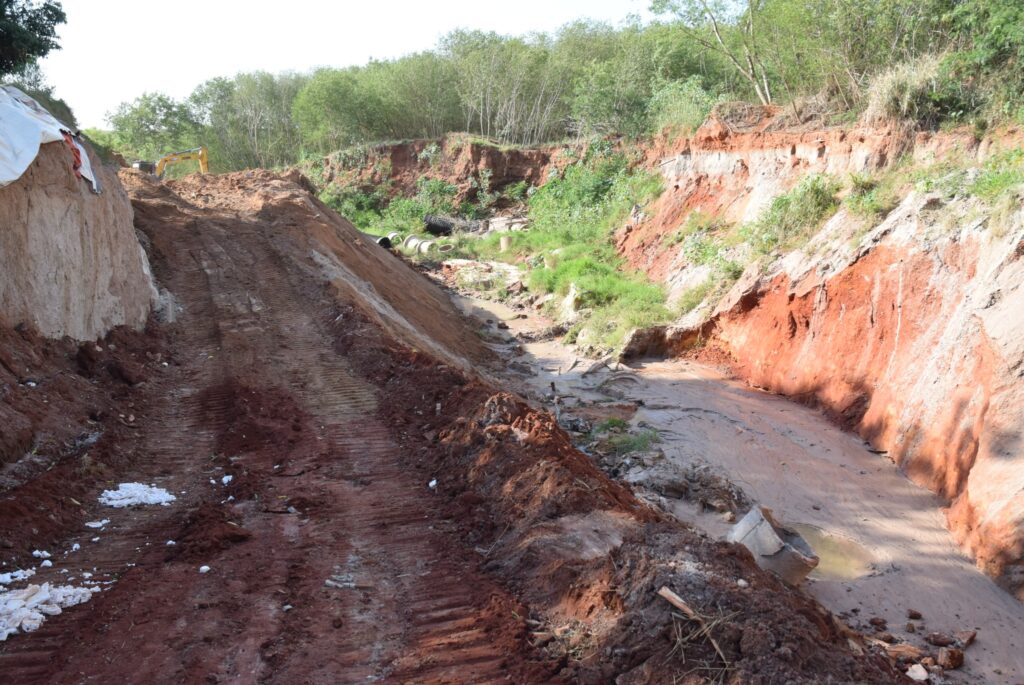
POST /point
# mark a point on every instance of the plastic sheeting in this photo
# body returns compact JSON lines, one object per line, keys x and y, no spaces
{"x":24,"y":126}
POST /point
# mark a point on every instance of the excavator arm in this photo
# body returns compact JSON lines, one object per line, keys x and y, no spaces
{"x":198,"y":153}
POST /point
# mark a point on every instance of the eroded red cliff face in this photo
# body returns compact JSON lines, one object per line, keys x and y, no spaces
{"x":460,"y":159}
{"x":912,"y":335}
{"x":896,"y":346}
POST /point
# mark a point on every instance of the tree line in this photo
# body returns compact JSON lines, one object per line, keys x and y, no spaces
{"x":929,"y":60}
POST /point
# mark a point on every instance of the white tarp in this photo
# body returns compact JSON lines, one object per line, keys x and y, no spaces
{"x":24,"y":126}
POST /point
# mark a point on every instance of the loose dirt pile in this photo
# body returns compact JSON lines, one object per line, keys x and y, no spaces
{"x":352,"y":501}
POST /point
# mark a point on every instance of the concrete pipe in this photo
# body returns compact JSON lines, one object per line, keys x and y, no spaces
{"x":381,"y":240}
{"x":395,"y":237}
{"x":426,"y":246}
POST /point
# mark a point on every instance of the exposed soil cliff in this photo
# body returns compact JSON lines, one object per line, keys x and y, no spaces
{"x":461,"y":159}
{"x":71,"y":262}
{"x":908,"y":332}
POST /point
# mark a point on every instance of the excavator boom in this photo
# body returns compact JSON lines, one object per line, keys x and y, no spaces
{"x":198,"y":153}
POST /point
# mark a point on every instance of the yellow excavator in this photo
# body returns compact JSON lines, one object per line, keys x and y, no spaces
{"x":197,"y":153}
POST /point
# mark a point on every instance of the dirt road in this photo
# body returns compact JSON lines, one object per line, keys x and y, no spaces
{"x":355,"y":578}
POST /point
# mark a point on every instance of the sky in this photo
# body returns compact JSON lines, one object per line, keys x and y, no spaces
{"x":115,"y":50}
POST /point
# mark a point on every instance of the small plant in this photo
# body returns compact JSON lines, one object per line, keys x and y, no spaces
{"x":517,"y":191}
{"x":626,"y":443}
{"x":692,"y":298}
{"x":431,"y":154}
{"x":680,"y":106}
{"x":611,"y":424}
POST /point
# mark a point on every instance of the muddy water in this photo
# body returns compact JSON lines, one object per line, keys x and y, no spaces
{"x":882,"y":540}
{"x":840,"y":558}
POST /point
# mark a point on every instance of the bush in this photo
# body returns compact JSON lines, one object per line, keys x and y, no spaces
{"x":681,"y":106}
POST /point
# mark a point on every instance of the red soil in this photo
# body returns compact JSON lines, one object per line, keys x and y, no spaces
{"x":331,"y":558}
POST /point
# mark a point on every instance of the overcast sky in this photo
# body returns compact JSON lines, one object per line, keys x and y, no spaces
{"x":115,"y":50}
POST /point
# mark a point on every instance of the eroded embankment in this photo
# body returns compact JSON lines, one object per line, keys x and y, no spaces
{"x":583,"y":554}
{"x":471,"y":164}
{"x":71,"y":264}
{"x":915,"y":348}
{"x":908,"y":331}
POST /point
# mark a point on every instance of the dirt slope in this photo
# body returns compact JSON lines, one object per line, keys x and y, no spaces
{"x":331,"y":558}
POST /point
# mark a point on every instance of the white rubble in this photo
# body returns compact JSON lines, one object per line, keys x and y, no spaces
{"x":26,"y":609}
{"x":97,"y":524}
{"x":131,"y":494}
{"x":15,"y":576}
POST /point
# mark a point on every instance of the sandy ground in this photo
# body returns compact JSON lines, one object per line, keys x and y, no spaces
{"x":883,"y":541}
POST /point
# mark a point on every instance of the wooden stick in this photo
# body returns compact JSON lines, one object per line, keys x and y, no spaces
{"x":677,"y":601}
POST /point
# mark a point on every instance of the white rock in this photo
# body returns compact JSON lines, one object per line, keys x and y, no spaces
{"x":432,"y":484}
{"x":97,"y":524}
{"x":15,"y":576}
{"x":227,"y":479}
{"x":917,"y":672}
{"x":204,"y":569}
{"x":46,"y":563}
{"x":40,"y":554}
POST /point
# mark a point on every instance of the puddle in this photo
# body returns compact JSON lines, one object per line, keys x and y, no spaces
{"x":841,"y":558}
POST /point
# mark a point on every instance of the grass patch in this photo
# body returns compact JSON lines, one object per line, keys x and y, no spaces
{"x":572,"y":218}
{"x":999,"y":174}
{"x":793,"y":217}
{"x":692,"y":298}
{"x":633,"y":442}
{"x":874,"y":197}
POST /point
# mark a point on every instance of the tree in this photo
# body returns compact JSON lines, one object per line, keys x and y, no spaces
{"x":28,"y":31}
{"x":152,"y":126}
{"x":730,"y":29}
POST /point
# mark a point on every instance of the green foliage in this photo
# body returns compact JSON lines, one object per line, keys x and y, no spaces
{"x":681,"y":106}
{"x":613,"y":423}
{"x":999,"y":174}
{"x":517,"y":191}
{"x":376,"y":213}
{"x":692,"y":298}
{"x":572,"y":217}
{"x":793,"y":217}
{"x":873,"y":198}
{"x":628,"y":443}
{"x":993,"y":31}
{"x":152,"y":126}
{"x":28,"y":31}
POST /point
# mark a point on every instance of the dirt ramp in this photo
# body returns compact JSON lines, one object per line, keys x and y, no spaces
{"x":399,"y":299}
{"x":72,"y":264}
